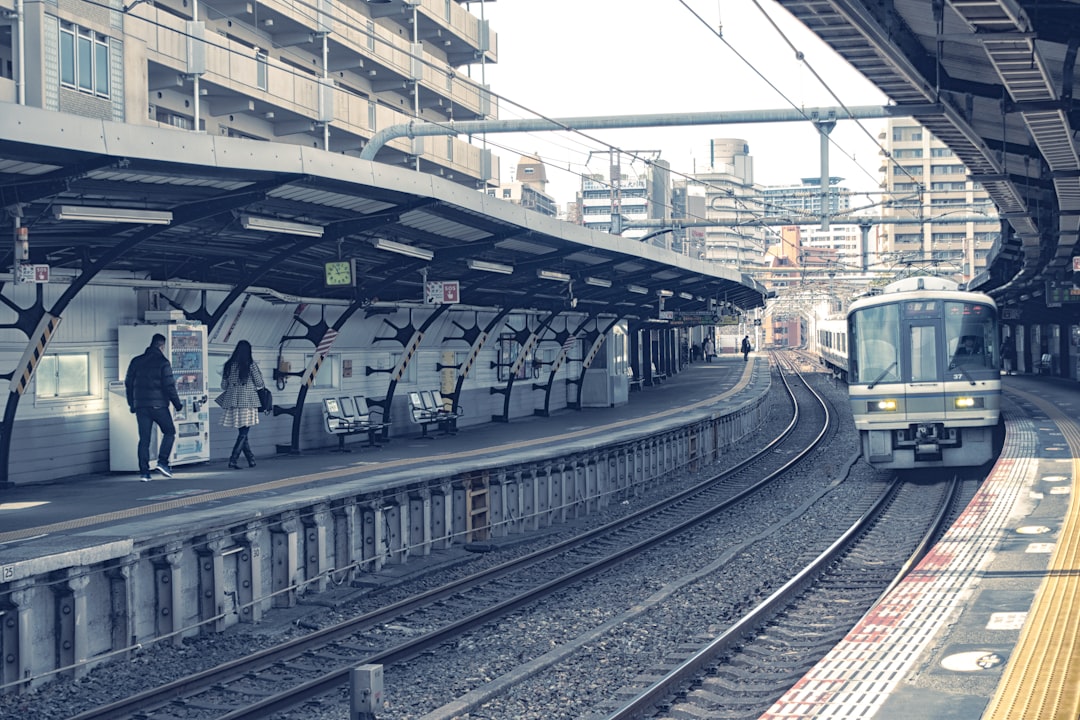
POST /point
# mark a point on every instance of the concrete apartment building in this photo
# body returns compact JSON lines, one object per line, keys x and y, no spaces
{"x":629,"y":195}
{"x":320,"y":74}
{"x":730,"y":197}
{"x":924,"y":182}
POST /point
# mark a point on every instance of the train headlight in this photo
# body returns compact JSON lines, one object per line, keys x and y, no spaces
{"x":887,"y":405}
{"x":968,"y":403}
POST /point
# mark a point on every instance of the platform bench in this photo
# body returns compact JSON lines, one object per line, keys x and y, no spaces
{"x":347,"y":416}
{"x":427,"y":408}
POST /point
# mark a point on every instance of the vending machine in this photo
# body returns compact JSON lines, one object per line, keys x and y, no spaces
{"x":185,"y":346}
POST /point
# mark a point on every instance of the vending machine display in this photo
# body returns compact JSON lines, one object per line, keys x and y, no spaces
{"x":185,"y":346}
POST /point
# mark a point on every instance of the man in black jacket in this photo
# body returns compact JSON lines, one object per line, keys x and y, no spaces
{"x":150,"y":389}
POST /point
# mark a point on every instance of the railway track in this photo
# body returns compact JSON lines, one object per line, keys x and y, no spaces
{"x":740,"y":673}
{"x":319,"y":663}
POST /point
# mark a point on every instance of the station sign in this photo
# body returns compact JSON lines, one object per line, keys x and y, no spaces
{"x":442,"y":292}
{"x":32,"y":273}
{"x":1058,"y":293}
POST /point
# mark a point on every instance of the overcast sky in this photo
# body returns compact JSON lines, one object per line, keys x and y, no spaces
{"x":566,"y":58}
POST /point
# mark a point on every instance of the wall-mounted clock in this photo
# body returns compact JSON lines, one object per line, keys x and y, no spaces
{"x":340,"y":273}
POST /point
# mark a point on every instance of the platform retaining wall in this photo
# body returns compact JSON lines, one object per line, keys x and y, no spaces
{"x":63,"y":612}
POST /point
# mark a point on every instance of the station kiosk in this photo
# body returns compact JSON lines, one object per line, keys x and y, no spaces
{"x":185,"y":346}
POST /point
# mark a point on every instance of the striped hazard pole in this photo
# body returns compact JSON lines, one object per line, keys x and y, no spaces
{"x":474,"y":352}
{"x":406,"y":356}
{"x":321,"y":351}
{"x":35,"y":349}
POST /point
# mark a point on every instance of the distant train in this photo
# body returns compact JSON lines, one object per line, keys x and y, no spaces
{"x":921,"y":360}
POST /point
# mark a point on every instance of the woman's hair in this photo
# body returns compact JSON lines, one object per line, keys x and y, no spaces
{"x":241,"y":357}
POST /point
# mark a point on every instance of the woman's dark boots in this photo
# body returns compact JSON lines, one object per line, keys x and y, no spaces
{"x":237,"y":447}
{"x":248,"y":454}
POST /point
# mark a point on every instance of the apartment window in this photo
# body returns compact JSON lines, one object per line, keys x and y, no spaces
{"x":941,"y":152}
{"x":906,"y":170}
{"x":507,"y":193}
{"x":84,"y":60}
{"x":947,"y":170}
{"x":908,"y":153}
{"x":62,"y":375}
{"x":450,"y":149}
{"x":947,"y":186}
{"x":371,"y":35}
{"x":906,"y":134}
{"x":371,"y":114}
{"x":261,"y":59}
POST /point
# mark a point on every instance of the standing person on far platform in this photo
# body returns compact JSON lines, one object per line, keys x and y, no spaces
{"x":151,"y":388}
{"x":746,"y":348}
{"x":709,"y":350}
{"x":241,"y":380}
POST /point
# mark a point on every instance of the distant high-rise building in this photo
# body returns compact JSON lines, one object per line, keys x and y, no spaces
{"x":528,"y":187}
{"x":625,"y":199}
{"x":688,"y":207}
{"x":730,"y":198}
{"x":945,"y":220}
{"x":805,"y":200}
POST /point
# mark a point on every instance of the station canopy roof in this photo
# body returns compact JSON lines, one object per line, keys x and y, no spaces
{"x":168,"y":205}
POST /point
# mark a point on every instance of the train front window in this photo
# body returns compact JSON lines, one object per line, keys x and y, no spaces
{"x":924,"y":354}
{"x":970,"y":336}
{"x":875,"y":338}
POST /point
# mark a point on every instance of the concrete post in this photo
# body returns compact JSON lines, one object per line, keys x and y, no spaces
{"x":249,"y":592}
{"x":284,"y":560}
{"x":315,"y":551}
{"x":420,"y":523}
{"x":121,"y":604}
{"x":16,"y":636}
{"x":212,"y":582}
{"x":168,"y":599}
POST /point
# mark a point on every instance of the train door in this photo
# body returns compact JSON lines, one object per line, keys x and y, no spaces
{"x":924,"y":378}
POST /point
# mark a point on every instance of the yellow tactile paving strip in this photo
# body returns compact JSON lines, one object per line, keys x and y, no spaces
{"x":1042,"y":678}
{"x":856,"y":677}
{"x":356,"y":471}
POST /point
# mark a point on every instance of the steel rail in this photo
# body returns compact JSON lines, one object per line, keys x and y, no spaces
{"x":644,"y":703}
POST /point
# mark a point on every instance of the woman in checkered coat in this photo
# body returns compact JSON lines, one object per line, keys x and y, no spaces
{"x":240,"y":382}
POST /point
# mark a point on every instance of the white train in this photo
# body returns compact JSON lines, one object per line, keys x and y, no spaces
{"x":921,"y":360}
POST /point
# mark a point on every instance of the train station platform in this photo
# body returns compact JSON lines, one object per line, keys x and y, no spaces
{"x":985,"y":626}
{"x":67,"y":507}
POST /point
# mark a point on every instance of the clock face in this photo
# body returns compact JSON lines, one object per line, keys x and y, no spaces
{"x":339,"y":273}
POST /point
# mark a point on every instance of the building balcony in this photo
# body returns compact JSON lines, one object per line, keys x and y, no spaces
{"x":361,"y":53}
{"x":264,"y":97}
{"x":464,"y":37}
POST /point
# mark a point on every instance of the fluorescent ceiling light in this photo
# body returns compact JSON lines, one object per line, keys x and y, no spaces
{"x":403,"y":249}
{"x":491,"y":267}
{"x":686,"y":296}
{"x":597,"y":282}
{"x":265,"y":224}
{"x":111,"y":214}
{"x":664,"y":293}
{"x":638,"y":289}
{"x":552,"y":275}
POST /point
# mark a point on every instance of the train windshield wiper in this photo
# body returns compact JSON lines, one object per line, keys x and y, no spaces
{"x":880,"y":377}
{"x":960,"y":367}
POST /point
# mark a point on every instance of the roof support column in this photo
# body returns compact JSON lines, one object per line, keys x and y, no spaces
{"x":825,"y":126}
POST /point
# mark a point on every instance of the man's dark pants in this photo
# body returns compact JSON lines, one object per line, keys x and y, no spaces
{"x":146,"y":418}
